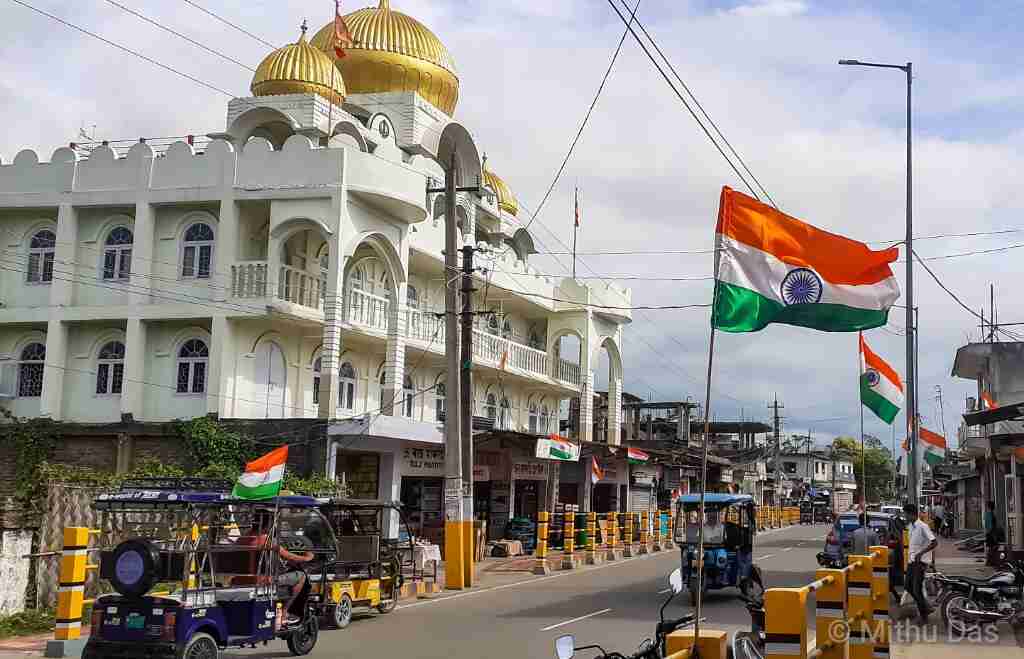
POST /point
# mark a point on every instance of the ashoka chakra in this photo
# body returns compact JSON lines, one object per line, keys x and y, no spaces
{"x":873,"y":377}
{"x":801,"y":286}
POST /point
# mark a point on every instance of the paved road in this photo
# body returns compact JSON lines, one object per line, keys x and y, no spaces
{"x":517,"y":616}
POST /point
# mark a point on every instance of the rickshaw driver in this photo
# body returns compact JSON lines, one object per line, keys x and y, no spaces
{"x":714,"y":532}
{"x":292,"y":578}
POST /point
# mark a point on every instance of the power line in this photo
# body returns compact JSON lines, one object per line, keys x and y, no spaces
{"x":586,"y":118}
{"x":703,"y":111}
{"x":230,"y":24}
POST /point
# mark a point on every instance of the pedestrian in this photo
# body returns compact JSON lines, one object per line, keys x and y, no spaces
{"x":992,"y":534}
{"x":864,"y":537}
{"x":938,"y":517}
{"x":922,"y":542}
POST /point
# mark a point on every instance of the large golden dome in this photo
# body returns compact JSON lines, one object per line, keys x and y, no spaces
{"x":506,"y":200}
{"x":393,"y":52}
{"x":299,"y":68}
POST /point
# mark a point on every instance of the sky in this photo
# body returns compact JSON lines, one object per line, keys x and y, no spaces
{"x":827,"y":142}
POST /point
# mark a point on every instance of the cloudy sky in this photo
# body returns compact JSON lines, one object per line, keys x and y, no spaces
{"x":826,"y":141}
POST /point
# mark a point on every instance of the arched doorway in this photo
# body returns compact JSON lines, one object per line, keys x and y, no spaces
{"x":270,"y":381}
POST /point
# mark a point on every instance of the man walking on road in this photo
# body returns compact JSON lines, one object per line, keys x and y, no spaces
{"x":864,"y":537}
{"x":922,"y":541}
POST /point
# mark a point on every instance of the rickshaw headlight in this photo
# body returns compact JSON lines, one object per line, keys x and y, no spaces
{"x":170,"y":626}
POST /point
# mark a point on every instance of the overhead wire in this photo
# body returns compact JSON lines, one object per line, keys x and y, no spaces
{"x":230,"y":24}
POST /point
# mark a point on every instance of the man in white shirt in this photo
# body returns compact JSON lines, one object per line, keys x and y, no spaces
{"x":922,"y":543}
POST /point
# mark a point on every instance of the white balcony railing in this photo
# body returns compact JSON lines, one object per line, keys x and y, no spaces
{"x":249,"y":279}
{"x":300,"y":287}
{"x":568,"y":373}
{"x":367,"y":310}
{"x":425,"y":326}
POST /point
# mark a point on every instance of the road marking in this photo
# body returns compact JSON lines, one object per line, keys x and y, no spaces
{"x":765,"y":556}
{"x":666,"y":590}
{"x":788,"y":549}
{"x":569,"y":622}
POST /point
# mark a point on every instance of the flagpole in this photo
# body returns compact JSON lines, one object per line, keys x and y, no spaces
{"x":704,"y":467}
{"x":575,"y":228}
{"x":863,"y":473}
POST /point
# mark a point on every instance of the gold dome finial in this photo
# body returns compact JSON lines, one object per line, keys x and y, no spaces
{"x":393,"y":52}
{"x":303,"y":27}
{"x":299,"y":68}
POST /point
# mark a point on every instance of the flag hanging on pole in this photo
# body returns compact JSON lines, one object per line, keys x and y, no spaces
{"x":596,"y":473}
{"x":987,"y":402}
{"x":576,"y":199}
{"x":263,"y":476}
{"x":880,"y":388}
{"x":636,"y":456}
{"x":932,"y":446}
{"x":773,"y":268}
{"x":342,"y":36}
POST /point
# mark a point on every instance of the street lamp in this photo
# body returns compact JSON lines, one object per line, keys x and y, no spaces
{"x":912,"y":483}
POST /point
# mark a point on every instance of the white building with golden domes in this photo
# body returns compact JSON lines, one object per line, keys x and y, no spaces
{"x":291,"y":266}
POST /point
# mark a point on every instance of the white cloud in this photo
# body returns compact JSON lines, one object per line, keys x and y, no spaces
{"x":775,"y":8}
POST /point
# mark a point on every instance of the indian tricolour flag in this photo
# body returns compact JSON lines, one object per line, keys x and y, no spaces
{"x":932,"y":446}
{"x":561,"y":448}
{"x":636,"y":456}
{"x":596,"y":473}
{"x":773,"y":268}
{"x":880,"y":387}
{"x":263,"y":476}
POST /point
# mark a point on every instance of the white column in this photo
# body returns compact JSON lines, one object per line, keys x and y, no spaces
{"x":615,"y":411}
{"x":394,"y":359}
{"x":586,"y":430}
{"x":62,"y":288}
{"x":227,"y":247}
{"x":334,"y":313}
{"x":220,"y":378}
{"x":142,"y":252}
{"x":52,"y":398}
{"x":133,"y":393}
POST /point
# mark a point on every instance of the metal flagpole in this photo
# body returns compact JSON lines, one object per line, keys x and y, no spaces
{"x":863,"y":473}
{"x":575,"y":227}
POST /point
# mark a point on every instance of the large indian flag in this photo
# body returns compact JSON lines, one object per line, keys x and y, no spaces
{"x":880,"y":387}
{"x":263,"y":476}
{"x":773,"y":268}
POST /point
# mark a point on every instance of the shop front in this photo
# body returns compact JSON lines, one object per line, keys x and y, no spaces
{"x":611,"y":492}
{"x":643,"y":491}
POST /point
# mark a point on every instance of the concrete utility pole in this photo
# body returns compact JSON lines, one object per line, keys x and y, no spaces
{"x":454,"y":508}
{"x":777,"y":426}
{"x":466,"y":412}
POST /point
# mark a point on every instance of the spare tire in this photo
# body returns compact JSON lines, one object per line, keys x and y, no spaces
{"x":136,"y":567}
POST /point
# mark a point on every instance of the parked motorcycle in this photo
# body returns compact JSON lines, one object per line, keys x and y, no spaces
{"x":969,"y":604}
{"x":750,"y":645}
{"x":565,"y":646}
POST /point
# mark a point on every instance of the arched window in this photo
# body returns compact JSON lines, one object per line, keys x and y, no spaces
{"x":506,"y":329}
{"x":545,"y":419}
{"x":110,"y":368}
{"x":534,"y":340}
{"x":439,"y":401}
{"x":197,"y":255}
{"x":412,"y":297}
{"x":192,"y":359}
{"x":492,"y":325}
{"x":347,"y":387}
{"x":505,"y":422}
{"x":30,"y":370}
{"x":491,"y":407}
{"x":408,"y":394}
{"x":534,"y":419}
{"x":40,"y":257}
{"x":318,"y":364}
{"x":383,"y":378}
{"x":117,"y":254}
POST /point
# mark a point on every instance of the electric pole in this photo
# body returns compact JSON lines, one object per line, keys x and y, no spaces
{"x":466,"y":411}
{"x":777,"y":426}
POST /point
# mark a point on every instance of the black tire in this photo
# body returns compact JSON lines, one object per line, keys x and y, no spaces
{"x":302,"y":641}
{"x":341,"y":613}
{"x":134,"y":558}
{"x":200,"y":646}
{"x":953,"y":621}
{"x":387,"y":606}
{"x":753,"y":587}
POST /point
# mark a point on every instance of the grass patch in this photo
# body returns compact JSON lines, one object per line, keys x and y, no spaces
{"x":25,"y":623}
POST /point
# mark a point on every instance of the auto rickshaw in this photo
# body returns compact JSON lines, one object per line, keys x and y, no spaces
{"x":806,"y":512}
{"x":367,"y":573}
{"x":730,"y":524}
{"x":197,"y":571}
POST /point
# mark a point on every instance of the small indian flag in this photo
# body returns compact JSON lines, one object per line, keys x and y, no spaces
{"x":987,"y":401}
{"x":880,"y":387}
{"x":773,"y":268}
{"x":263,"y":476}
{"x":561,"y":447}
{"x":932,"y":446}
{"x":636,"y":456}
{"x":596,"y":473}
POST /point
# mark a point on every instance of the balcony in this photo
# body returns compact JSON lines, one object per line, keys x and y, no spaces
{"x":249,"y":279}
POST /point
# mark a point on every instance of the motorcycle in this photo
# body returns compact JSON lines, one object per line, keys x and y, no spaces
{"x":969,"y":604}
{"x":750,"y":645}
{"x":565,"y":646}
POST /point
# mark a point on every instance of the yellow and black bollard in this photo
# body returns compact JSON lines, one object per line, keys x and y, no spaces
{"x":611,"y":547}
{"x":656,"y":532}
{"x":830,"y":614}
{"x":645,"y":543}
{"x":591,"y":556}
{"x":785,"y":625}
{"x":628,"y":548}
{"x":541,"y":564}
{"x":881,"y":623}
{"x":670,"y":533}
{"x":569,"y":545}
{"x":71,"y":590}
{"x":860,"y":605}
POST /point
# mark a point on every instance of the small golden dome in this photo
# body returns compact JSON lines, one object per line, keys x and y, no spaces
{"x":393,"y":52}
{"x":299,"y":68}
{"x":506,"y":200}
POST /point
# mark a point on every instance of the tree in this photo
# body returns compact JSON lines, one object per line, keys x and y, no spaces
{"x":876,"y":462}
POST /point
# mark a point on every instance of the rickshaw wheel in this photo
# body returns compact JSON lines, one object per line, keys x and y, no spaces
{"x":200,"y":646}
{"x":391,"y":603}
{"x":341,"y":613}
{"x":303,"y":640}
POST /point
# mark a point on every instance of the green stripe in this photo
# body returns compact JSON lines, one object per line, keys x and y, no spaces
{"x":739,"y":309}
{"x":933,"y":458}
{"x":560,"y":454}
{"x":263,"y":491}
{"x":881,"y":406}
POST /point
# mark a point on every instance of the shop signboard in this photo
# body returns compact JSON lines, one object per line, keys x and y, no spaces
{"x":427,"y":462}
{"x":555,"y":447}
{"x":643,"y":475}
{"x":671,"y":478}
{"x":530,"y":471}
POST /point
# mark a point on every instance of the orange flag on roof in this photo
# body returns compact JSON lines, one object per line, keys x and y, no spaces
{"x":342,"y":36}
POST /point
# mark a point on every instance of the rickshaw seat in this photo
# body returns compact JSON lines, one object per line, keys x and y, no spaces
{"x":359,"y":549}
{"x":233,"y":594}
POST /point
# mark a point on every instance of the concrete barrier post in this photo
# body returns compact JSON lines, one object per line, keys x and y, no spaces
{"x":645,"y":546}
{"x":591,"y":557}
{"x":569,"y":546}
{"x":830,"y":614}
{"x":656,"y":546}
{"x":711,"y":644}
{"x":628,"y":548}
{"x":611,"y":547}
{"x":71,"y":589}
{"x":541,"y":564}
{"x":881,"y":623}
{"x":860,"y":605}
{"x":785,"y":626}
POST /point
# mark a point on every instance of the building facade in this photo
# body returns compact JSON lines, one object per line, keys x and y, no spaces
{"x":291,"y":266}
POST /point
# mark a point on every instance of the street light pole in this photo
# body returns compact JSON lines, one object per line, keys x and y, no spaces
{"x":911,"y":403}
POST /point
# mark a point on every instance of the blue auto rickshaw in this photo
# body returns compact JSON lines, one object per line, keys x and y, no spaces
{"x":730,"y":525}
